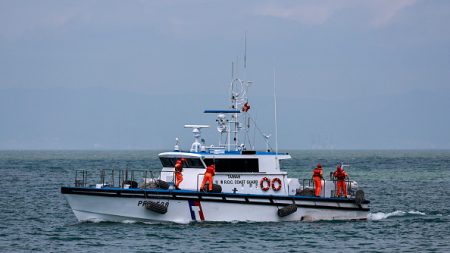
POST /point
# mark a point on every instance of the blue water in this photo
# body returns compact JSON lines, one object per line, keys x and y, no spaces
{"x":409,"y":193}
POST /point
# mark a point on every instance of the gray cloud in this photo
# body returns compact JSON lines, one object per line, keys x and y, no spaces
{"x":115,"y":74}
{"x":382,"y":12}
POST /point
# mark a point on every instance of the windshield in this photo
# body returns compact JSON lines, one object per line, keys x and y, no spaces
{"x":189,"y":163}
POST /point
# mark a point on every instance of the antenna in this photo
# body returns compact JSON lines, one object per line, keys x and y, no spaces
{"x":245,"y":50}
{"x":275,"y":105}
{"x":232,"y":70}
{"x":236,"y":67}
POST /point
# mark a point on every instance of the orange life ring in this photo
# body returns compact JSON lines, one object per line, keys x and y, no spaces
{"x":277,"y":180}
{"x":261,"y":183}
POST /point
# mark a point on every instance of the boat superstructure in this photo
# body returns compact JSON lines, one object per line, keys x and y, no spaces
{"x":248,"y":185}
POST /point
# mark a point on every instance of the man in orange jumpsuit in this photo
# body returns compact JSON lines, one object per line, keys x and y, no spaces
{"x":210,"y":172}
{"x":317,"y":176}
{"x":178,"y":174}
{"x":340,"y":175}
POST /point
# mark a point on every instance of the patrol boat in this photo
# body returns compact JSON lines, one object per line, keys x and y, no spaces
{"x":248,"y":185}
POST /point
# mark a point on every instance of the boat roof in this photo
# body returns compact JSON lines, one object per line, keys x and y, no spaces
{"x":223,"y":153}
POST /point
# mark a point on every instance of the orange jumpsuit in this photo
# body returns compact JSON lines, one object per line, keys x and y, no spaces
{"x":179,"y":179}
{"x":317,"y":176}
{"x":178,"y":174}
{"x":341,"y":185}
{"x":210,"y":172}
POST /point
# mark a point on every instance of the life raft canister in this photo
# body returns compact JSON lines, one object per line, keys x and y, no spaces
{"x":261,"y":184}
{"x":276,"y":180}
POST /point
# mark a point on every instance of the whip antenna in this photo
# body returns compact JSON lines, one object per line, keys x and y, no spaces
{"x":232,"y":71}
{"x":275,"y":107}
{"x":245,"y":51}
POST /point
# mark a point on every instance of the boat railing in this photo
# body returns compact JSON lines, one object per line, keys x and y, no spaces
{"x":80,"y":178}
{"x":349,"y":185}
{"x":309,"y":183}
{"x":116,"y":178}
{"x":198,"y":181}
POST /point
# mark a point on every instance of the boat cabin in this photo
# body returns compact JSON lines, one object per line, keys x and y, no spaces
{"x":236,"y":171}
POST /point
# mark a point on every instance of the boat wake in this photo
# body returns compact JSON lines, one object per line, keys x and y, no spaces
{"x":93,"y":220}
{"x":129,"y":221}
{"x":398,"y":213}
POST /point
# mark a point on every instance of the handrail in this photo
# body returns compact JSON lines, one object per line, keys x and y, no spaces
{"x":115,"y":177}
{"x":348,"y":182}
{"x":198,"y":175}
{"x":310,"y":183}
{"x":80,"y":182}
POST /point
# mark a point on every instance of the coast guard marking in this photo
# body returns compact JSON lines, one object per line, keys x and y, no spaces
{"x":196,"y":210}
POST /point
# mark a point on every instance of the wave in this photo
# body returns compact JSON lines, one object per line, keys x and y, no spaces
{"x":382,"y":216}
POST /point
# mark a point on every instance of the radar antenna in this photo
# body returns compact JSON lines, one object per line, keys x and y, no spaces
{"x":196,"y":145}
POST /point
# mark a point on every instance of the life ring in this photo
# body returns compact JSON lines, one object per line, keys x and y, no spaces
{"x":261,"y":183}
{"x":277,"y":180}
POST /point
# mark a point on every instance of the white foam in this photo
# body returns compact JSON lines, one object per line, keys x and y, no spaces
{"x":416,"y":213}
{"x":151,"y":222}
{"x":381,"y":216}
{"x":93,"y":220}
{"x":129,"y":221}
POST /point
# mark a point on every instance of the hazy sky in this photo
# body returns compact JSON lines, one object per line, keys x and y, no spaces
{"x":350,"y":74}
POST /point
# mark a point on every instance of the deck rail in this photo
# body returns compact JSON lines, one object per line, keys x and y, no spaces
{"x":121,"y":178}
{"x":309,"y":183}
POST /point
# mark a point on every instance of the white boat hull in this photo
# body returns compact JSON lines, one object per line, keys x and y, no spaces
{"x":191,"y":208}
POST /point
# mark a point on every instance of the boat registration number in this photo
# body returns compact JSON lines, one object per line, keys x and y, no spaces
{"x":145,"y":203}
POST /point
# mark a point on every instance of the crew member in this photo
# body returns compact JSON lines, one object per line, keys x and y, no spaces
{"x":317,"y":177}
{"x":210,"y":172}
{"x":340,"y":175}
{"x":178,"y":172}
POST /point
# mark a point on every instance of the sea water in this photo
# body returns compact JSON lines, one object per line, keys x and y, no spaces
{"x":409,"y":193}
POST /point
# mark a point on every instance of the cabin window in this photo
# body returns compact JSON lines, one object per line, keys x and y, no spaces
{"x":234,"y":165}
{"x":189,"y":163}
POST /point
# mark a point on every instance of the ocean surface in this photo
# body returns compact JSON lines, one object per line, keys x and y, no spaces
{"x":409,"y":193}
